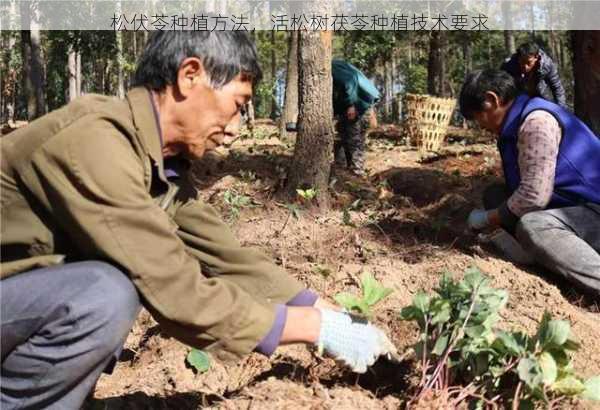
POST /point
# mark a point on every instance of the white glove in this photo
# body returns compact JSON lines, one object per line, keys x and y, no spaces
{"x":352,"y":340}
{"x":478,"y":219}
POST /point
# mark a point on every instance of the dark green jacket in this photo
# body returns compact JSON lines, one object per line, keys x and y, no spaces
{"x":351,"y":87}
{"x":87,"y":182}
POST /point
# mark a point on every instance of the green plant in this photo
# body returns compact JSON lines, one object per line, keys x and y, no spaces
{"x":322,"y":270}
{"x":346,"y":217}
{"x":199,"y":360}
{"x":307,"y":194}
{"x":236,"y":202}
{"x":372,"y":293}
{"x":462,"y":352}
{"x":248,"y":176}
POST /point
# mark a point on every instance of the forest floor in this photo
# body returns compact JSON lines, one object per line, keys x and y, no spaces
{"x":407,"y":229}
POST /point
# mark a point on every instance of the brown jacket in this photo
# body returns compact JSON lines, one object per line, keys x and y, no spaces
{"x":86,"y":182}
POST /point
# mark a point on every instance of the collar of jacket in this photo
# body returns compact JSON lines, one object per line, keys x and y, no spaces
{"x":147,"y":125}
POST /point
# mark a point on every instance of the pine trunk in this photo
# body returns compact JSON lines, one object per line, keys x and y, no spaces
{"x":290,"y":105}
{"x":273,"y":77}
{"x":586,"y":71}
{"x":72,"y":73}
{"x":310,"y":166}
{"x":436,"y":72}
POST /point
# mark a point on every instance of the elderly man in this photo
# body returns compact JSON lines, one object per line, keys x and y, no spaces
{"x":535,"y":73}
{"x":551,"y":162}
{"x":96,"y":221}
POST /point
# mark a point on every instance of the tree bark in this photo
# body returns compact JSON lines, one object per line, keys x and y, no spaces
{"x":290,"y":105}
{"x":387,"y":90}
{"x":509,"y":37}
{"x":33,"y":81}
{"x":72,"y":73}
{"x":120,"y":63}
{"x":436,"y":70}
{"x":586,"y":71}
{"x":33,"y":66}
{"x":310,"y":166}
{"x":273,"y":76}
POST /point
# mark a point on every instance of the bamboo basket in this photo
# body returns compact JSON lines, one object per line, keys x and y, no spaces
{"x":427,"y":120}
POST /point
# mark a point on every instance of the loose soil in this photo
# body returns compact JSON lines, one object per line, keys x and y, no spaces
{"x":407,"y":229}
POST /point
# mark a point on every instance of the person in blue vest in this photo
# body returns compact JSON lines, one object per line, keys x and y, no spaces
{"x":551,"y":161}
{"x":536,"y":73}
{"x":353,"y":98}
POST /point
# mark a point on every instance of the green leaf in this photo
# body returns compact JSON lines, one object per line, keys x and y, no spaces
{"x":529,"y":372}
{"x":569,"y":385}
{"x":548,"y":368}
{"x":592,"y":389}
{"x":510,"y":343}
{"x":421,"y":301}
{"x":553,"y":332}
{"x":199,"y":360}
{"x":440,"y":345}
{"x":373,"y":291}
{"x":351,"y":302}
{"x":440,"y":310}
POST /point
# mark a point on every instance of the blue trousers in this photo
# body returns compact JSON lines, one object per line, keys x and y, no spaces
{"x":61,"y":327}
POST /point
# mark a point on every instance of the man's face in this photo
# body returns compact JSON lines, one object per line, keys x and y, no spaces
{"x":528,"y":63}
{"x":207,"y":116}
{"x":492,"y":115}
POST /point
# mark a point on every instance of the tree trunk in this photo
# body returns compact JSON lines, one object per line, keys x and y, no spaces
{"x":387,"y":90}
{"x":78,"y":72}
{"x":72,"y":73}
{"x":467,"y":53}
{"x":586,"y":71}
{"x":273,"y":77}
{"x":436,"y":73}
{"x":33,"y":81}
{"x":120,"y":63}
{"x":290,"y":105}
{"x":310,"y":166}
{"x":509,"y":37}
{"x":33,"y":71}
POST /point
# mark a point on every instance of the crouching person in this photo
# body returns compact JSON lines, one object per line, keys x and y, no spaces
{"x":98,"y":219}
{"x":551,"y":163}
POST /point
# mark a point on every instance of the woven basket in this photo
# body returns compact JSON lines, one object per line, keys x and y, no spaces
{"x":427,"y":120}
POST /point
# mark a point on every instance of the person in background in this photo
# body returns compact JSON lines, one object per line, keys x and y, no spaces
{"x":98,"y":219}
{"x":536,"y":73}
{"x":353,"y":98}
{"x":551,"y":161}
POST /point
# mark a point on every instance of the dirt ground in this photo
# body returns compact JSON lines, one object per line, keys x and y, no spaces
{"x":407,"y":229}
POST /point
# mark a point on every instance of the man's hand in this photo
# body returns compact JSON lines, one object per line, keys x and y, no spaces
{"x":351,"y":113}
{"x":478,"y":219}
{"x":352,"y":340}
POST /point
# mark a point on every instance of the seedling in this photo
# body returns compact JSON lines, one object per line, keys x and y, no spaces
{"x":346,"y":217}
{"x":247,"y":176}
{"x":372,"y":293}
{"x":307,"y":194}
{"x":236,"y":202}
{"x":199,"y":360}
{"x":462,"y":352}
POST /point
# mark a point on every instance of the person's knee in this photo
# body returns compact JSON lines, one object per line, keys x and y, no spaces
{"x":113,"y":303}
{"x":529,"y":230}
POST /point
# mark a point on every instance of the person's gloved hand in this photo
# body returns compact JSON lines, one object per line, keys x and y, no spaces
{"x":478,"y":219}
{"x":352,"y":340}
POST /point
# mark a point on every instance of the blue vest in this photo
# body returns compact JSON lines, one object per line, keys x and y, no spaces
{"x":577,"y":177}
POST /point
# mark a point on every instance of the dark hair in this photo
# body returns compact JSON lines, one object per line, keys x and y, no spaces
{"x":528,"y":49}
{"x":224,"y":55}
{"x":477,"y":83}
